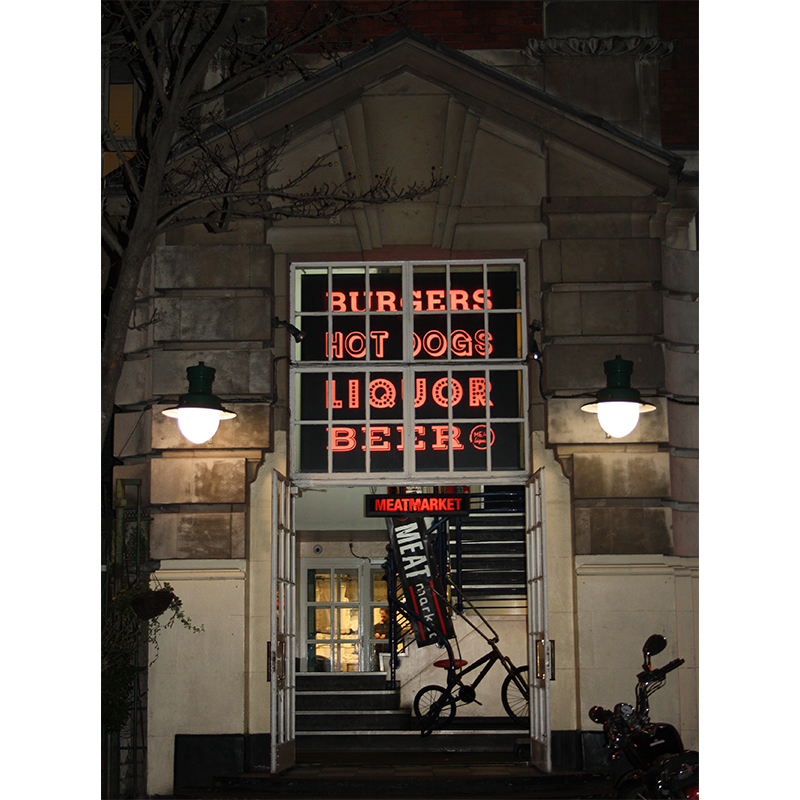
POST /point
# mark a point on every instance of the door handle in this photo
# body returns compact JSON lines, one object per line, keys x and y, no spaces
{"x":280,"y":666}
{"x":541,"y":659}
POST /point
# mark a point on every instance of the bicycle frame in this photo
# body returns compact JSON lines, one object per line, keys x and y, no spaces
{"x":490,"y":659}
{"x":455,"y":676}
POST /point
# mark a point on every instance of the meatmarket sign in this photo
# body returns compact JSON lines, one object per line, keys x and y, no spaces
{"x":421,"y":582}
{"x":395,"y":505}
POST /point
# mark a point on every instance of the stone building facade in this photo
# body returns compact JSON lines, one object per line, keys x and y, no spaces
{"x":566,"y":158}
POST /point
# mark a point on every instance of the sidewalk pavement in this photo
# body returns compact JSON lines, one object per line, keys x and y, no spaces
{"x":443,"y":781}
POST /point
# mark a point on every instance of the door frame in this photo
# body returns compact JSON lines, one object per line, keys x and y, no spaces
{"x":539,"y":644}
{"x":539,"y":654}
{"x":283,"y":625}
{"x":364,"y":566}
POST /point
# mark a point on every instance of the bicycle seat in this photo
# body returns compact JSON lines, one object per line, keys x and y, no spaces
{"x":445,"y":663}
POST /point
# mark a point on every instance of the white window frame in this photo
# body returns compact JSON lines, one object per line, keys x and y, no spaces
{"x":365,"y":604}
{"x":409,"y":366}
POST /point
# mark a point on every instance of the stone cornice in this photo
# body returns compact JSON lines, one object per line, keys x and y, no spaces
{"x":650,"y":48}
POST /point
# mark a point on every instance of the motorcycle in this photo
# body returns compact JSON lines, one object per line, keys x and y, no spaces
{"x":661,"y":767}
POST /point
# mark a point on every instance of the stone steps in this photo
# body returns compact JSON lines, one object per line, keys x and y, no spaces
{"x":338,"y":713}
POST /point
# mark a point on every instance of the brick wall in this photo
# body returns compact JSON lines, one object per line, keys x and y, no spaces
{"x":460,"y":24}
{"x":499,"y":24}
{"x":478,"y":25}
{"x":679,"y":20}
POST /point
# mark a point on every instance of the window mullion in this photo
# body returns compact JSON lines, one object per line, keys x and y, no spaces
{"x":486,"y":373}
{"x":329,"y":356}
{"x":409,"y":386}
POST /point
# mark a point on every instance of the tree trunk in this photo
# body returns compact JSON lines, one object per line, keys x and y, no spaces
{"x":136,"y":251}
{"x":119,"y":317}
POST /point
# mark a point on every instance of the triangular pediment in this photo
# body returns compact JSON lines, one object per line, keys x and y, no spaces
{"x":411,"y":105}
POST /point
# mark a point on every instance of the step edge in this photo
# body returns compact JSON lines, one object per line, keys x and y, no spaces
{"x":327,"y":711}
{"x":383,"y":732}
{"x":353,"y":693}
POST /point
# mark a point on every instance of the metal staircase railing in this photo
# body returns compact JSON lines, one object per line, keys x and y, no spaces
{"x":485,"y":551}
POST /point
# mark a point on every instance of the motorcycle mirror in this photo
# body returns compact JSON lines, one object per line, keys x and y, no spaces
{"x":654,"y":645}
{"x":599,"y":714}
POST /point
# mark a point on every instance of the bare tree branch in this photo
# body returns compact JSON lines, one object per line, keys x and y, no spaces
{"x":188,"y":169}
{"x":320,"y":202}
{"x":140,"y":40}
{"x":110,"y":139}
{"x":111,"y":238}
{"x":273,"y":54}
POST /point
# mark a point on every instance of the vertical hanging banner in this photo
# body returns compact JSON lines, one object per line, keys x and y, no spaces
{"x":420,"y":579}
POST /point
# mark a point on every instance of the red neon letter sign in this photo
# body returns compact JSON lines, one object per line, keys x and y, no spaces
{"x":343,"y":440}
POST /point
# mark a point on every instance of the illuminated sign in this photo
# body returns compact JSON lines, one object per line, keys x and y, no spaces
{"x":384,"y":390}
{"x":335,"y":328}
{"x":434,"y":300}
{"x":401,"y":505}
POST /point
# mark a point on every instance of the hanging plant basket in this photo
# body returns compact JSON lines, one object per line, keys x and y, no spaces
{"x":150,"y":604}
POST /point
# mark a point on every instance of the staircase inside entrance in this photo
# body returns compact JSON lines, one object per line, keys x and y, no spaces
{"x":352,"y":717}
{"x":487,"y":550}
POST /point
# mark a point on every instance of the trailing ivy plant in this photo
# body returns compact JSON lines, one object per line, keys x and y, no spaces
{"x":124,"y":647}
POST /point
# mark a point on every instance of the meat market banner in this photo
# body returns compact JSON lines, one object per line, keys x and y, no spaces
{"x":420,"y":579}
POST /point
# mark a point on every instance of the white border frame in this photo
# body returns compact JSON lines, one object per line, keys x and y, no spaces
{"x":485,"y":477}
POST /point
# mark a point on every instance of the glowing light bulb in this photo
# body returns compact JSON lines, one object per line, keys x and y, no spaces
{"x":198,"y":425}
{"x":618,"y":406}
{"x":618,"y":419}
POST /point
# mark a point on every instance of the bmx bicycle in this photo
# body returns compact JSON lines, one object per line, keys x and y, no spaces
{"x":435,"y":704}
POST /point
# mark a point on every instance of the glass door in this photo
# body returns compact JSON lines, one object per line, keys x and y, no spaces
{"x":333,"y":618}
{"x":378,"y":647}
{"x":538,"y":624}
{"x":345,"y":616}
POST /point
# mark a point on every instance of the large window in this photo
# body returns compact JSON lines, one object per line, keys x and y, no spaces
{"x":409,"y":370}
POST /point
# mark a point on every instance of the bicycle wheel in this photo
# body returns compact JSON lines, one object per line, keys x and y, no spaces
{"x":515,"y":695}
{"x":424,"y":701}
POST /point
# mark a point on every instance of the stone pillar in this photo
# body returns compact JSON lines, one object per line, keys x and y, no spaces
{"x":602,"y":297}
{"x":681,"y":332}
{"x":211,"y":303}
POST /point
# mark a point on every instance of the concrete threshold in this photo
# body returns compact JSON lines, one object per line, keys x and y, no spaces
{"x":445,"y":781}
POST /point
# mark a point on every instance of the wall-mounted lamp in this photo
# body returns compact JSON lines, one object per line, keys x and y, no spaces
{"x":199,"y":412}
{"x":282,"y":323}
{"x":618,"y":406}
